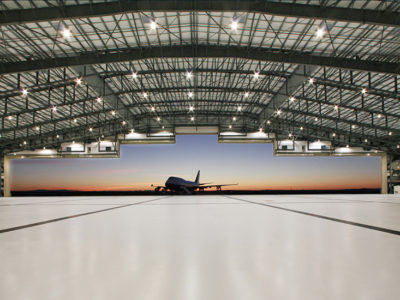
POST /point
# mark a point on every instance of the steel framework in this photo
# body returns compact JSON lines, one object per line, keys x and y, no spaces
{"x":78,"y":71}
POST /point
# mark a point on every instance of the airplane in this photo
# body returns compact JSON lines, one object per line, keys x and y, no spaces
{"x":180,"y":185}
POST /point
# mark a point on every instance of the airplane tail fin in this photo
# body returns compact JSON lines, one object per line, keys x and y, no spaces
{"x":198,"y":177}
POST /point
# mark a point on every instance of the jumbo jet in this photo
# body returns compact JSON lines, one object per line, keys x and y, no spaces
{"x":180,"y":185}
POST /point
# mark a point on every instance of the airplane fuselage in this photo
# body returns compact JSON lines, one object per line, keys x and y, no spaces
{"x":180,"y":184}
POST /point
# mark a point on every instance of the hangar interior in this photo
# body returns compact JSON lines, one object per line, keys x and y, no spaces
{"x":314,"y":77}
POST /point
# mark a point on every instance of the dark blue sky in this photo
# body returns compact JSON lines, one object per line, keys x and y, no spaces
{"x":253,"y":166}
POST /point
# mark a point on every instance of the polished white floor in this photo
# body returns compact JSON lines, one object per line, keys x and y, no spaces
{"x":200,"y":247}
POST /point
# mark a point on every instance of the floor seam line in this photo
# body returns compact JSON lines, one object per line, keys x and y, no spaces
{"x":73,"y":216}
{"x":371,"y":227}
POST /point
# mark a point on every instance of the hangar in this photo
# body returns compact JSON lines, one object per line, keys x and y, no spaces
{"x":79,"y":78}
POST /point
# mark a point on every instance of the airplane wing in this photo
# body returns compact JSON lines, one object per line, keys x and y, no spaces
{"x":218,"y":186}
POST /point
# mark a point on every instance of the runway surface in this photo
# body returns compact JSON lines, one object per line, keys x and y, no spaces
{"x":200,"y":247}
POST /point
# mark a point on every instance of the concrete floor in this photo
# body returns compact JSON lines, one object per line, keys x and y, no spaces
{"x":201,"y":247}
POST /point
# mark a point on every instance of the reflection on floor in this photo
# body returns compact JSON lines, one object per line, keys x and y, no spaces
{"x":200,"y":247}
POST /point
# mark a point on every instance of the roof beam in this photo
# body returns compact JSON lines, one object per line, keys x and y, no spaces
{"x":89,"y":75}
{"x":287,"y":89}
{"x":364,"y":16}
{"x":204,"y":51}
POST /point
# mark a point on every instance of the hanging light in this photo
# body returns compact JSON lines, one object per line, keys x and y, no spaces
{"x":320,"y":33}
{"x":153,"y":25}
{"x":234,"y":24}
{"x":256,"y":75}
{"x":66,"y":33}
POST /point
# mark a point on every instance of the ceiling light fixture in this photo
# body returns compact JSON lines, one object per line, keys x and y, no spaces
{"x":234,"y":24}
{"x":320,"y":33}
{"x":66,"y":33}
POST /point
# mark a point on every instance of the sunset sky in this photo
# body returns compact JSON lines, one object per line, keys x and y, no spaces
{"x":253,"y":166}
